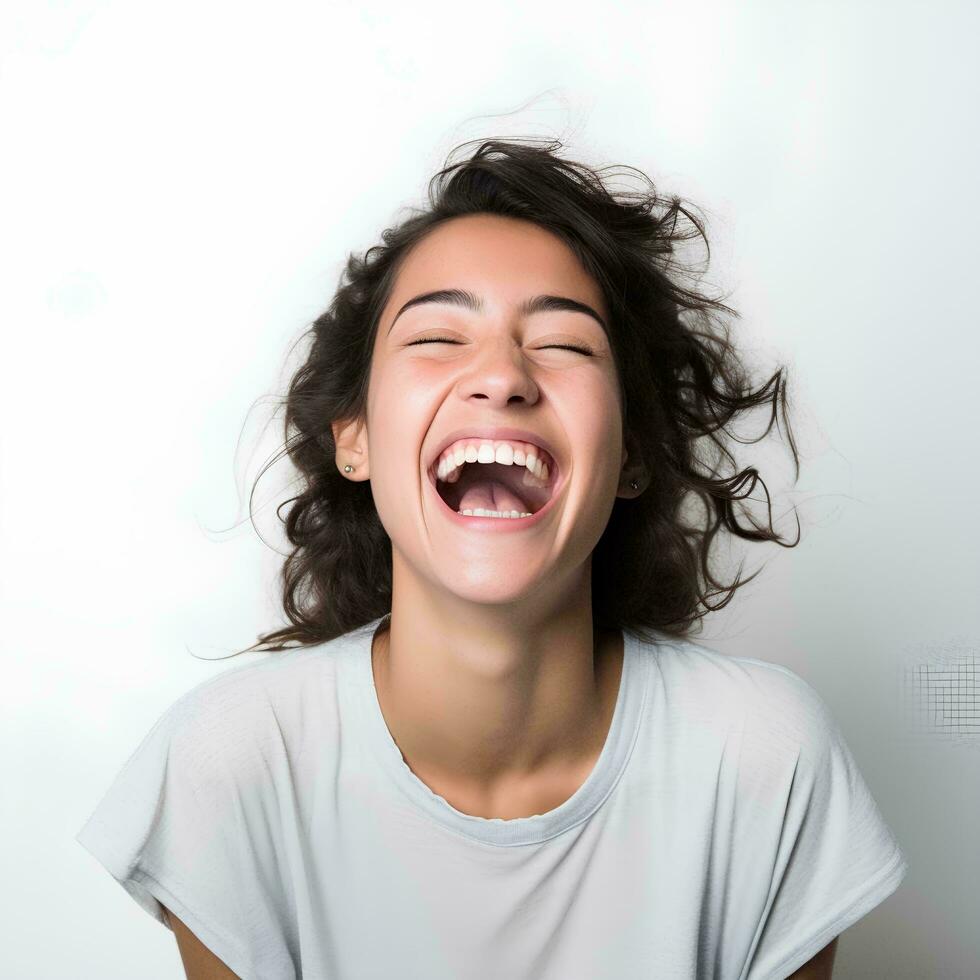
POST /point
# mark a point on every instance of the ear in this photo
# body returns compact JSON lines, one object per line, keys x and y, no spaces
{"x":632,"y":472}
{"x":351,"y":440}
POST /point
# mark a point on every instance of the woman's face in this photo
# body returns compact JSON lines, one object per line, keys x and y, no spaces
{"x":500,"y":369}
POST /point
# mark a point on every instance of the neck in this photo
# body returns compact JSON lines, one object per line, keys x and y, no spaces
{"x":485,"y":711}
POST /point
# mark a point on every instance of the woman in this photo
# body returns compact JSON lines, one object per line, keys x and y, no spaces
{"x":495,"y":750}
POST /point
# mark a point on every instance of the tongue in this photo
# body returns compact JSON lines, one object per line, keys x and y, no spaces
{"x":492,"y":495}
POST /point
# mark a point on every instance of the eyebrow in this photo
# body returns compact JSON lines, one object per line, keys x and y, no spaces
{"x":534,"y":304}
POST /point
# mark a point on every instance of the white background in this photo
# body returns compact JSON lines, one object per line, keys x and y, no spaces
{"x":181,"y":183}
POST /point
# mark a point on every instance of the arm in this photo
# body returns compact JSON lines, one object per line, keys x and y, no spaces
{"x":199,"y":962}
{"x":820,"y":967}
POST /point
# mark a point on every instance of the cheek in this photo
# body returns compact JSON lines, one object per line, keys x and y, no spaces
{"x":412,"y":385}
{"x":591,"y":412}
{"x":397,"y":400}
{"x":400,"y":408}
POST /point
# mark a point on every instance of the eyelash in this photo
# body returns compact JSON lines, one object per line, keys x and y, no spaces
{"x":447,"y":340}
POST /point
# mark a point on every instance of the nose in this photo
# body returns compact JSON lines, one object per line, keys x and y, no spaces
{"x":499,"y":374}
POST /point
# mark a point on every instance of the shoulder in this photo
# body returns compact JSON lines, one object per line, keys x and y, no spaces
{"x":767,"y":702}
{"x":274,"y":679}
{"x":239,"y":721}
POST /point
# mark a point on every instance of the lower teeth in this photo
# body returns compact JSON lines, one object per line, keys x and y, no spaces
{"x":482,"y":512}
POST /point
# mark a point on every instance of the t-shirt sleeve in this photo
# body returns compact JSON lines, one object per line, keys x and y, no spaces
{"x":169,"y":831}
{"x":836,"y":858}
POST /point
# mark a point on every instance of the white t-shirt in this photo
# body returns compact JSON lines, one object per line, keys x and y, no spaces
{"x":725,"y":832}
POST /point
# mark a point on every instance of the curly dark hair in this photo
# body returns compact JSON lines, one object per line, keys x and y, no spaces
{"x":679,"y":375}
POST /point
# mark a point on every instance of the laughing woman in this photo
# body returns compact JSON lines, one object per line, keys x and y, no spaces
{"x":493,"y":749}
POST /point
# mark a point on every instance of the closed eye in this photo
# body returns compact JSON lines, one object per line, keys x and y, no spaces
{"x":447,"y":340}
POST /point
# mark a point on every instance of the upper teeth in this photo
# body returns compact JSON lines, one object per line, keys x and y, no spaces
{"x":486,"y":451}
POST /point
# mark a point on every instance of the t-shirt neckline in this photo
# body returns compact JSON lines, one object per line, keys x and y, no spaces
{"x":601,"y":781}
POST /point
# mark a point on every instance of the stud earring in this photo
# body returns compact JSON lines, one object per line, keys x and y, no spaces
{"x":633,"y":484}
{"x":348,"y":468}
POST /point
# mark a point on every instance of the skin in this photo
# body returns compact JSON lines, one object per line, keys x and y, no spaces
{"x":491,"y":679}
{"x":199,"y":962}
{"x":821,"y":967}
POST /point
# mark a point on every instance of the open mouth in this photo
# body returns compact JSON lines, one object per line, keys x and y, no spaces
{"x":496,"y":490}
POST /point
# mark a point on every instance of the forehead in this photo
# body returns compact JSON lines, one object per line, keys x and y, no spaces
{"x":504,"y":259}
